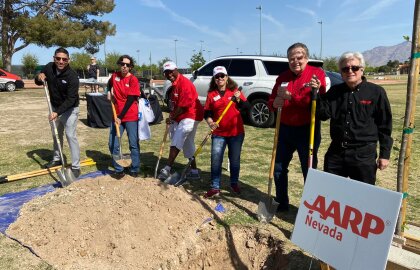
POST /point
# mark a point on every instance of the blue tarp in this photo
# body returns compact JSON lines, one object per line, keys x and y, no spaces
{"x":11,"y":203}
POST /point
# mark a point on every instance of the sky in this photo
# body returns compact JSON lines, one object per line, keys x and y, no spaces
{"x":229,"y":27}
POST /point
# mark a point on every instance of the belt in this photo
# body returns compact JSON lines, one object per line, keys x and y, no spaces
{"x":346,"y":144}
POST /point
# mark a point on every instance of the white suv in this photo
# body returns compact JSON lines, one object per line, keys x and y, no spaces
{"x":256,"y":75}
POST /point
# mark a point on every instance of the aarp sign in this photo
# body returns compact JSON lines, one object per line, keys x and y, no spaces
{"x":346,"y":223}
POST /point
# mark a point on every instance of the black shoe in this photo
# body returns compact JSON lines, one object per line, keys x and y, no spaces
{"x":52,"y":163}
{"x":118,"y":175}
{"x":76,"y":172}
{"x":283,"y":208}
{"x":134,"y":174}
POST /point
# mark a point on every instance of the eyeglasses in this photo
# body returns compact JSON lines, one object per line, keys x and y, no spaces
{"x":218,"y":76}
{"x":124,"y":64}
{"x":353,"y":68}
{"x":58,"y":59}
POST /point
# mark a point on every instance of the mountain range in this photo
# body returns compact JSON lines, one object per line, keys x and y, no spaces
{"x":379,"y":56}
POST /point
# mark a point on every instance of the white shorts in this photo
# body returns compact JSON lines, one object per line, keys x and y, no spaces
{"x":182,"y":135}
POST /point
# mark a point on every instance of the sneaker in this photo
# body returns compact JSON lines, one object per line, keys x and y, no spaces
{"x":211,"y":193}
{"x":193,"y":175}
{"x":52,"y":163}
{"x":163,"y":174}
{"x":235,"y":188}
{"x":118,"y":175}
{"x":76,"y":172}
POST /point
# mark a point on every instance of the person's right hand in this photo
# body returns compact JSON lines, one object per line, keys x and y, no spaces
{"x":282,"y":94}
{"x":42,"y":77}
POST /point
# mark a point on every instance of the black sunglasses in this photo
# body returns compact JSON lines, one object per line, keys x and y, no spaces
{"x":353,"y":68}
{"x":124,"y":64}
{"x":64,"y":59}
{"x":217,"y":76}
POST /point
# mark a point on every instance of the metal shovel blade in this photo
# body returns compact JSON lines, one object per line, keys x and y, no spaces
{"x":172,"y":179}
{"x":124,"y":160}
{"x":66,"y":177}
{"x":266,"y":210}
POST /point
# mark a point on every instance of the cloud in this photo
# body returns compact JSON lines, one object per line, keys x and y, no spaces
{"x":304,"y":10}
{"x":374,"y":10}
{"x":273,"y":21}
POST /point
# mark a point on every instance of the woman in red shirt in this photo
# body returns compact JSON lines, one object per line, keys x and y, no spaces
{"x":228,"y":132}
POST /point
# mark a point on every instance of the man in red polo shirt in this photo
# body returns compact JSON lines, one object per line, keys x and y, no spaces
{"x":186,"y":114}
{"x":292,"y":92}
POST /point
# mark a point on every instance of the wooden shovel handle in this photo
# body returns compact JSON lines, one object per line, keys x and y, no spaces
{"x":117,"y":126}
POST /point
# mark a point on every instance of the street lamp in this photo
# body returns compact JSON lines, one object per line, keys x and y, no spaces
{"x":260,"y":8}
{"x":320,"y":53}
{"x":176,"y":57}
{"x":201,"y":46}
{"x":138,"y":57}
{"x":237,"y":51}
{"x":209,"y":54}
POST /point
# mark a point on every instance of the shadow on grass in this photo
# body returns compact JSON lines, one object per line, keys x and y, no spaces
{"x":102,"y":160}
{"x":41,"y":156}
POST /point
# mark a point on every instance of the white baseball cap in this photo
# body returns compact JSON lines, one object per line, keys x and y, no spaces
{"x":219,"y":69}
{"x":169,"y":65}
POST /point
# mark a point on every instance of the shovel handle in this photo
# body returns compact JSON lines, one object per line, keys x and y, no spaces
{"x":117,"y":126}
{"x":312,"y":127}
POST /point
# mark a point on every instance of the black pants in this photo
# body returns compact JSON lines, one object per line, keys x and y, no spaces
{"x":357,"y":163}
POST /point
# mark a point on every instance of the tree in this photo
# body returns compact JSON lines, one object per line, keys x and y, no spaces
{"x":161,"y":62}
{"x":197,"y":60}
{"x":111,"y":61}
{"x":79,"y":62}
{"x":331,"y":63}
{"x":30,"y":62}
{"x":66,"y":23}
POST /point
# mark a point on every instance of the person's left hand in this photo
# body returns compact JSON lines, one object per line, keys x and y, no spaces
{"x":237,"y":95}
{"x":315,"y":82}
{"x":382,"y":163}
{"x":52,"y":116}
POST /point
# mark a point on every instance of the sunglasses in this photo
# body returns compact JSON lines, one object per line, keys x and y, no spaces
{"x":124,"y":64}
{"x":64,"y":59}
{"x":353,"y":68}
{"x":218,"y":76}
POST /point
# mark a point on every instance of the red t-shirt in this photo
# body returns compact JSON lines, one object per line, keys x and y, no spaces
{"x":185,"y":95}
{"x":297,"y":111}
{"x":231,"y":124}
{"x":124,"y":87}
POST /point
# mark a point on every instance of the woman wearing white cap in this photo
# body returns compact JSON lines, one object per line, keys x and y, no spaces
{"x":228,"y":132}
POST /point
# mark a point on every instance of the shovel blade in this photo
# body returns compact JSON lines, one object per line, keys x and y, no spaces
{"x":266,"y":210}
{"x":123,"y":160}
{"x":173,"y":179}
{"x":66,"y":177}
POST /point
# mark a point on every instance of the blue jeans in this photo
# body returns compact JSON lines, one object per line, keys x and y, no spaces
{"x":218,"y":146}
{"x":293,"y":139}
{"x":133,"y":141}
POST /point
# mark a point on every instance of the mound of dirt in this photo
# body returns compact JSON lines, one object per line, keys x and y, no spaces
{"x":134,"y":223}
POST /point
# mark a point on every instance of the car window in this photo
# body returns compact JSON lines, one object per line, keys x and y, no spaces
{"x":2,"y":73}
{"x":207,"y":70}
{"x":275,"y":67}
{"x":242,"y":68}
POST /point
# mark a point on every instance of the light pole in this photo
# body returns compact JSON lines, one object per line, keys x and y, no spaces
{"x":138,"y":57}
{"x":320,"y":53}
{"x":176,"y":57}
{"x":201,"y":46}
{"x":260,"y":8}
{"x":237,"y":51}
{"x":209,"y":54}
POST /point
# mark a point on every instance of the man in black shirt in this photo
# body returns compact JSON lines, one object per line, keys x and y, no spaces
{"x":360,"y":116}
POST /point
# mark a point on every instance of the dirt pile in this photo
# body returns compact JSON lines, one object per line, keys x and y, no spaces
{"x":103,"y":223}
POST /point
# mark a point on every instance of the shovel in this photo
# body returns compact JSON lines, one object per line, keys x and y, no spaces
{"x":312,"y":127}
{"x":66,"y":176}
{"x":267,"y":209}
{"x":161,"y":148}
{"x":124,"y":160}
{"x":176,"y":179}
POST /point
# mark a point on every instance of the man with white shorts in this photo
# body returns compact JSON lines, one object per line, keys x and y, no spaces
{"x":187,"y":112}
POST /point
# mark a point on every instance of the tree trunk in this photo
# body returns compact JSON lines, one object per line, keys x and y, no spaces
{"x":408,"y":128}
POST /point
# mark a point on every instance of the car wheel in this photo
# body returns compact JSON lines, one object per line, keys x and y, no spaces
{"x":259,"y":114}
{"x":10,"y":86}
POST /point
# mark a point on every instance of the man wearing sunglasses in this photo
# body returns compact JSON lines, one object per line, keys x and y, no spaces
{"x":187,"y":112}
{"x":292,"y":92}
{"x":63,"y":86}
{"x":360,"y":116}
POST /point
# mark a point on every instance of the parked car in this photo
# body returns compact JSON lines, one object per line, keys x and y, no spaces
{"x":256,"y":75}
{"x":10,"y":82}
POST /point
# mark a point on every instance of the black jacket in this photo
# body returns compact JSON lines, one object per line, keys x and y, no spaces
{"x":358,"y":117}
{"x":63,"y":88}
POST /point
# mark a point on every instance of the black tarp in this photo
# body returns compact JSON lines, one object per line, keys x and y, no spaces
{"x":99,"y":110}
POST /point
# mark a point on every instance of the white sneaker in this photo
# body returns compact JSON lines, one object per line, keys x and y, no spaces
{"x":163,"y":174}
